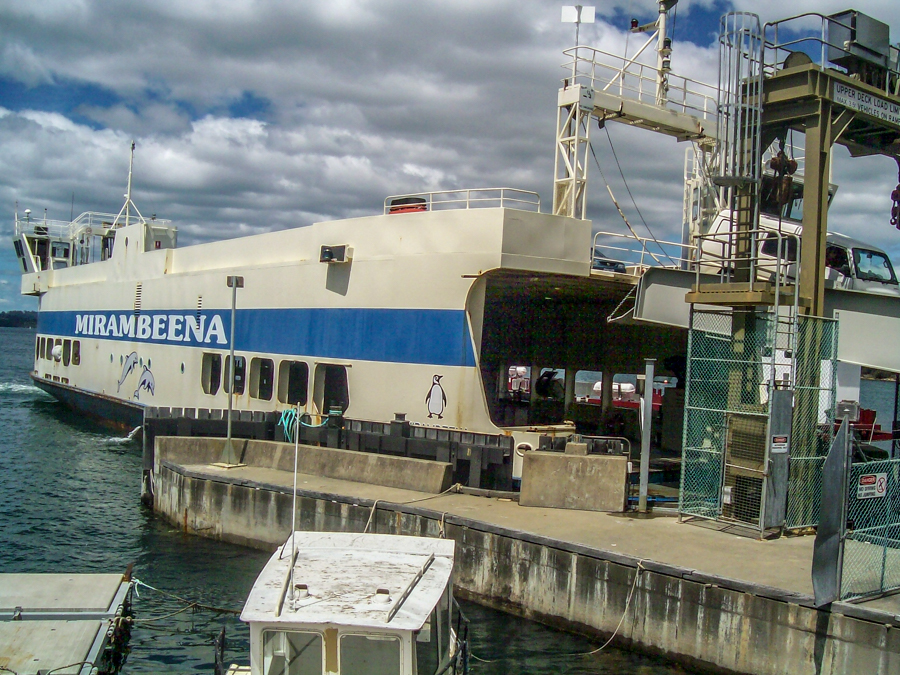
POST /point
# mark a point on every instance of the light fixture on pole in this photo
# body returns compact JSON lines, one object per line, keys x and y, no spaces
{"x":578,"y":15}
{"x":228,"y":456}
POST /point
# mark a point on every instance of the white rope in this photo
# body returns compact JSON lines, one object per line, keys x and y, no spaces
{"x":637,"y":574}
{"x":371,"y":515}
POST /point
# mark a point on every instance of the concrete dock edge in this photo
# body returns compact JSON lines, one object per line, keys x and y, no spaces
{"x":703,"y":621}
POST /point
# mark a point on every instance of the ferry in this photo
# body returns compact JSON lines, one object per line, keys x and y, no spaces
{"x":457,"y":322}
{"x":419,"y":311}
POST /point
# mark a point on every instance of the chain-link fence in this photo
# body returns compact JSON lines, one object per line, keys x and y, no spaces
{"x":727,"y":363}
{"x":872,"y":543}
{"x":735,"y":359}
{"x":813,"y":425}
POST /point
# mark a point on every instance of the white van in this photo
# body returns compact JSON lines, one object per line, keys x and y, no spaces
{"x":850,"y":263}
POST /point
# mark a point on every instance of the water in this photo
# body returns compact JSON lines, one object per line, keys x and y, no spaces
{"x":879,"y":396}
{"x":69,"y":502}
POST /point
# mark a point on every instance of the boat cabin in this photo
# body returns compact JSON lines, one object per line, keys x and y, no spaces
{"x":354,"y":604}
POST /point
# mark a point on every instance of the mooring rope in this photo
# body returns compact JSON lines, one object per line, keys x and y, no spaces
{"x":456,"y":487}
{"x":189,"y":604}
{"x":640,"y":568}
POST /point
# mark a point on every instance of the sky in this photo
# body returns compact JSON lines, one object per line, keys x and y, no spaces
{"x":254,"y":115}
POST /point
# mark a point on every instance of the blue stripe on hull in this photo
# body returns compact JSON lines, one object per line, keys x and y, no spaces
{"x":421,"y":336}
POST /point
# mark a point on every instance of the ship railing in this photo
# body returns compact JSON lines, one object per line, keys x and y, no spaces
{"x":770,"y":257}
{"x":636,"y":254}
{"x":476,"y":198}
{"x":829,"y":42}
{"x":88,"y":223}
{"x":628,"y":78}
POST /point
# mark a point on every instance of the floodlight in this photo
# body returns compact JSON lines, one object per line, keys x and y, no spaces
{"x":577,"y":14}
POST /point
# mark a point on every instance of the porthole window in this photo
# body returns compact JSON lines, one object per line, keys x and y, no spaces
{"x":293,"y":382}
{"x":262,"y":378}
{"x":240,"y":369}
{"x":210,"y":372}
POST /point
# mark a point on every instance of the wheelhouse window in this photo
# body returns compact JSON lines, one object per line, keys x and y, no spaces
{"x":331,"y":391}
{"x":262,"y":378}
{"x":293,"y":382}
{"x":292,"y":653}
{"x":240,"y":370}
{"x":432,"y":642}
{"x":370,"y":655}
{"x":210,"y":373}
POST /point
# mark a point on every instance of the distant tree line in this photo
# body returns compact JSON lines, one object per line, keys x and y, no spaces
{"x":18,"y":319}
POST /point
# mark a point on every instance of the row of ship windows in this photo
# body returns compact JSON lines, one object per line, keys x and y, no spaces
{"x":291,"y":385}
{"x":69,"y":350}
{"x":292,"y":381}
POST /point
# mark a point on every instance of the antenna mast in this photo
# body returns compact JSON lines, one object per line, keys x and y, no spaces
{"x":126,"y":207}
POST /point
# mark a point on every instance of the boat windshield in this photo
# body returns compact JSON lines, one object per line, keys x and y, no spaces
{"x":370,"y":655}
{"x":873,"y":266}
{"x":292,"y":653}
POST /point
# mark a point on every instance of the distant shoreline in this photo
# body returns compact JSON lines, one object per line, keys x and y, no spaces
{"x":878,"y":375}
{"x":18,"y":319}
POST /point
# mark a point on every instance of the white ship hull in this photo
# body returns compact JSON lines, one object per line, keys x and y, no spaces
{"x":399,"y":328}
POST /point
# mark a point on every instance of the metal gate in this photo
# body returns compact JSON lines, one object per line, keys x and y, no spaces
{"x":871,"y":564}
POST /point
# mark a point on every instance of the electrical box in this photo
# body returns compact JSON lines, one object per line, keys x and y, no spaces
{"x":855,"y":40}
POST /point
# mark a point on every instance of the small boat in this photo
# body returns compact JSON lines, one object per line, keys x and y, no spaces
{"x":330,"y":603}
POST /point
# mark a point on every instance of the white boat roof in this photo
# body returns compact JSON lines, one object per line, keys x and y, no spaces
{"x":343,"y":571}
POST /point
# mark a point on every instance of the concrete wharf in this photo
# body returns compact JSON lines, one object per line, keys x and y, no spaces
{"x":709,"y":599}
{"x":70,"y":624}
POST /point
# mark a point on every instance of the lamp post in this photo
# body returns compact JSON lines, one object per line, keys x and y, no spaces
{"x":646,"y":429}
{"x":228,"y":456}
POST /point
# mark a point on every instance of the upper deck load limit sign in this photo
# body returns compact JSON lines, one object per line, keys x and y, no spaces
{"x":864,"y":102}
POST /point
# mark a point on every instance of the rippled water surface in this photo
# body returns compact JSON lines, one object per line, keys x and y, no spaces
{"x":69,"y":502}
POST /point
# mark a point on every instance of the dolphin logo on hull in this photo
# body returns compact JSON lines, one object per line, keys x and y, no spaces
{"x":131,"y":362}
{"x":146,"y":382}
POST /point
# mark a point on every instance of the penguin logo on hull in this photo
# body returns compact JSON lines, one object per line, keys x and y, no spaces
{"x":436,"y":399}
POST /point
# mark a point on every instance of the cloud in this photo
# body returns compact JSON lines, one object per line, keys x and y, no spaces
{"x":252,"y":116}
{"x":20,"y":61}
